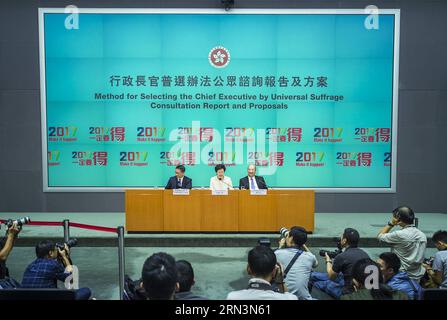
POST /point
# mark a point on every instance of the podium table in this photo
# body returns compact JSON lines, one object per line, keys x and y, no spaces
{"x":152,"y":210}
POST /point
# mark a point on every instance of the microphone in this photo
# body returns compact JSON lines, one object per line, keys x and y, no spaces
{"x":222,"y":179}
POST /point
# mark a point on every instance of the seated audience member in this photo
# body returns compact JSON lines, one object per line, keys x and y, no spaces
{"x":408,"y":243}
{"x":338,"y":279}
{"x":6,"y":246}
{"x":437,"y":272}
{"x":186,"y":280}
{"x":297,"y":262}
{"x":159,"y":277}
{"x":264,"y":270}
{"x":398,"y":280}
{"x":362,"y":271}
{"x":52,"y":264}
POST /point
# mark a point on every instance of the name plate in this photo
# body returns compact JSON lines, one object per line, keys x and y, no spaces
{"x":219,"y":192}
{"x":180,"y":192}
{"x":261,"y":192}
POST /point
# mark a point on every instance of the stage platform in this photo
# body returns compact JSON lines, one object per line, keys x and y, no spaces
{"x":327,"y":226}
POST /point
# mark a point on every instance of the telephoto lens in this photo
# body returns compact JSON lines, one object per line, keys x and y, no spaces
{"x":284,"y":232}
{"x":20,"y":222}
{"x":70,"y":243}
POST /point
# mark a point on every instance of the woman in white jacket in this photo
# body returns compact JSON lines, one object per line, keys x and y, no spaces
{"x":220,"y":181}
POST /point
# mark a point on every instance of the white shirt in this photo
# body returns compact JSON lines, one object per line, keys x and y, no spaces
{"x":216,"y":184}
{"x":409,"y":245}
{"x":255,"y":294}
{"x":254,"y":183}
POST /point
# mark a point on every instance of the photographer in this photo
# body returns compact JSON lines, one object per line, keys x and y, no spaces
{"x":52,"y":264}
{"x":437,"y":272}
{"x":408,"y":243}
{"x":338,"y":279}
{"x":6,"y":246}
{"x":263,"y":268}
{"x":297,"y":261}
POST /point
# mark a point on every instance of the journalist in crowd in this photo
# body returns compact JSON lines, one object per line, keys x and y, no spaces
{"x":53,"y":264}
{"x":267,"y":282}
{"x":408,"y":243}
{"x":297,"y":261}
{"x":338,"y":277}
{"x":390,"y":265}
{"x":436,"y":268}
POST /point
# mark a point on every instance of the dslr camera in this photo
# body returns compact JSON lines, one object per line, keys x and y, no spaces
{"x":284,"y":232}
{"x":70,"y":243}
{"x":336,"y":252}
{"x":429,"y":261}
{"x":20,"y":222}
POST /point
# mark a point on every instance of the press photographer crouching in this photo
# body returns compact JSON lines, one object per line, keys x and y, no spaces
{"x":53,"y":263}
{"x":338,"y":279}
{"x":267,"y":281}
{"x":297,"y":261}
{"x":6,"y":246}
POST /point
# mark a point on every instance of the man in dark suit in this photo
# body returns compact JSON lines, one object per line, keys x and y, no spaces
{"x":252,"y":181}
{"x":179,"y":181}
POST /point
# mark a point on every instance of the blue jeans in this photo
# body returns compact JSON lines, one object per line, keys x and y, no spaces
{"x":321,"y":281}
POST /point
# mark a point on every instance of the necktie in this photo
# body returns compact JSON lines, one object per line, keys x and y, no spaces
{"x":179,"y":183}
{"x":252,"y":184}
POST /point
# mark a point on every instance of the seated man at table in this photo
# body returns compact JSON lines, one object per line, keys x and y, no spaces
{"x":179,"y":181}
{"x":252,"y":181}
{"x":220,"y":181}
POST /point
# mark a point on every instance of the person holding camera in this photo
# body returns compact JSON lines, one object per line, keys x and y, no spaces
{"x":390,"y":265}
{"x":408,"y":243}
{"x":6,"y":246}
{"x":437,"y":270}
{"x":267,"y":282}
{"x":53,"y":263}
{"x":338,"y":279}
{"x":297,"y":260}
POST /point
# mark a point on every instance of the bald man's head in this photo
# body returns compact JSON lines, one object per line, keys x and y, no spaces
{"x":251,"y":170}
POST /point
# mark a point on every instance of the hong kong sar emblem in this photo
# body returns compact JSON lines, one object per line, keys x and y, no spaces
{"x":219,"y":57}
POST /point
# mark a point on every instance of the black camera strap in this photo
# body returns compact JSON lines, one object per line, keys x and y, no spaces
{"x":260,"y":286}
{"x":289,"y":266}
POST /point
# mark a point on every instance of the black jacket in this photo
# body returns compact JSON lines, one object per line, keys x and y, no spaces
{"x":244,"y":183}
{"x":172,"y":183}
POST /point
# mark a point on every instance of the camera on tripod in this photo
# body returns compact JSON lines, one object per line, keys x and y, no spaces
{"x":336,"y":252}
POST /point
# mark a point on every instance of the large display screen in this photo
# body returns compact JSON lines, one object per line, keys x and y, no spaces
{"x":309,"y":96}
